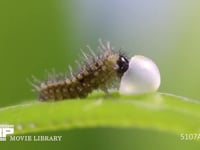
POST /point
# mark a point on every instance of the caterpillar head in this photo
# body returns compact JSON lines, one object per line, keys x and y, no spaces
{"x":123,"y":64}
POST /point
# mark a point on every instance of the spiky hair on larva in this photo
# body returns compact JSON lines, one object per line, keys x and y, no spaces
{"x":97,"y":72}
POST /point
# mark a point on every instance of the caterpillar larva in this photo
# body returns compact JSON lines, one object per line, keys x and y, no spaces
{"x":98,"y":72}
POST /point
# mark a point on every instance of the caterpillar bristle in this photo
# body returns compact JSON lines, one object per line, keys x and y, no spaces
{"x":36,"y":80}
{"x":78,"y":64}
{"x":84,"y":54}
{"x":71,"y":71}
{"x":108,"y":45}
{"x":102,"y":46}
{"x":95,"y":57}
{"x":35,"y":87}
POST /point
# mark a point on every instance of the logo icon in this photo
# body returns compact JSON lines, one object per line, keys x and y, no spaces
{"x":5,"y":129}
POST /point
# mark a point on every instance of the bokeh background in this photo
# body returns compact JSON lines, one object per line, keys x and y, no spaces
{"x":40,"y":35}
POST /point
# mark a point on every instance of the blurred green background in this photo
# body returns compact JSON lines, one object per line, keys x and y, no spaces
{"x":40,"y":35}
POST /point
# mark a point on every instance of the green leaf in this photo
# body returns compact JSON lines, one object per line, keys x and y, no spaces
{"x":157,"y":111}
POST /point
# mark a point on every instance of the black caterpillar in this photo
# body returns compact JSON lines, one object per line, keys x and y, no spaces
{"x":98,"y":72}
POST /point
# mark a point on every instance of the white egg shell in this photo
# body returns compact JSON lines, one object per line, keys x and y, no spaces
{"x":142,"y":76}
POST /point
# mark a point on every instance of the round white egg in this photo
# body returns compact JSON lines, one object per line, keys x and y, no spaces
{"x":142,"y":76}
